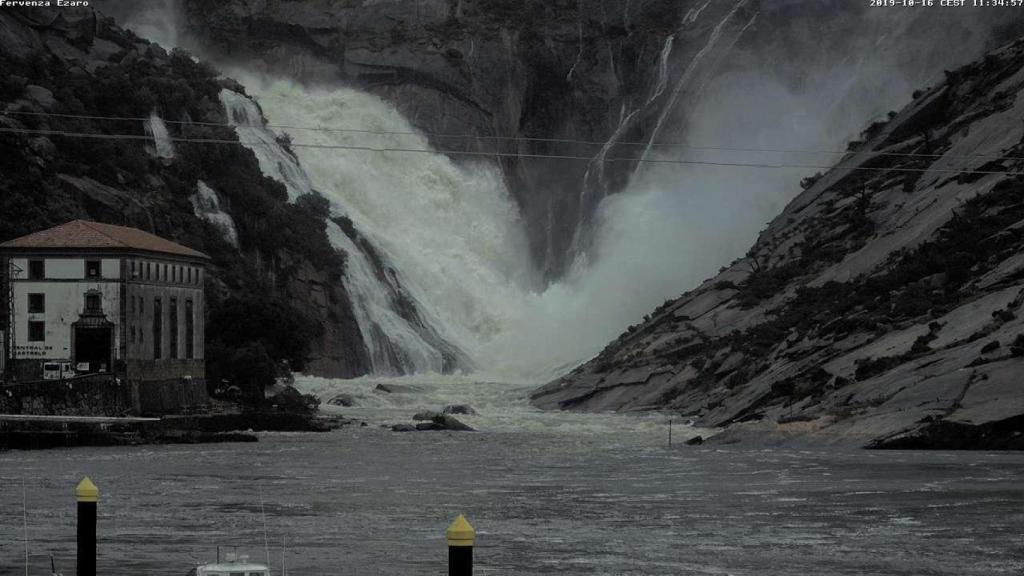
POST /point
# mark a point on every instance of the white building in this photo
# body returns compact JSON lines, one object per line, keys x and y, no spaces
{"x":109,"y":299}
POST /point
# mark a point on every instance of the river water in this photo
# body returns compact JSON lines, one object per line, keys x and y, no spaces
{"x":548,"y":494}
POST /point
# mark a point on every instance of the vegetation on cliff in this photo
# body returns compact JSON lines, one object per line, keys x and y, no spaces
{"x":881,"y":307}
{"x":66,"y":74}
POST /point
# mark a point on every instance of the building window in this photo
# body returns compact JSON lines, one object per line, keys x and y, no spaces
{"x":174,"y":327}
{"x":36,"y":269}
{"x":189,"y":274}
{"x":149,"y":270}
{"x":36,"y":303}
{"x":158,"y":328}
{"x":190,"y":326}
{"x":92,"y":268}
{"x":37,"y":331}
{"x":133,"y":334}
{"x":92,"y":303}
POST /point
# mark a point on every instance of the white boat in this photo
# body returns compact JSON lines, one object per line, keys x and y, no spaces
{"x":233,"y":565}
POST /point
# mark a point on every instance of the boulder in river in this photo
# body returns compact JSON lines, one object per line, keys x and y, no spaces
{"x":451,"y":423}
{"x":433,"y":421}
{"x":397,"y":388}
{"x":464,"y":409}
{"x":344,"y":400}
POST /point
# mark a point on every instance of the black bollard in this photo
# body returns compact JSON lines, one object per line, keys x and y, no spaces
{"x":87,"y":495}
{"x":460,"y":547}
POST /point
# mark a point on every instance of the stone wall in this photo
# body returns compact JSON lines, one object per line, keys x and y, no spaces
{"x":91,"y":396}
{"x":170,"y":396}
{"x":167,"y":369}
{"x":104,"y":395}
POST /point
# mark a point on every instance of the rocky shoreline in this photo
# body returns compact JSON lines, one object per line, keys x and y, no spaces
{"x":881,"y":309}
{"x":190,"y":429}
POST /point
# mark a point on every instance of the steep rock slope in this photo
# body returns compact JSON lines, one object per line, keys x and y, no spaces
{"x":274,"y":293}
{"x":881,"y":308}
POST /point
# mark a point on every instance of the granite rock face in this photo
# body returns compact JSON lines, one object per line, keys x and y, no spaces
{"x":881,"y":308}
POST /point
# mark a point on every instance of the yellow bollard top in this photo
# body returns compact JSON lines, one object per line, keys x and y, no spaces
{"x":86,"y":491}
{"x":460,"y":533}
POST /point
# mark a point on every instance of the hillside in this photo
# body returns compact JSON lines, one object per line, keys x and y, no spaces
{"x":880,"y":308}
{"x":273,"y":293}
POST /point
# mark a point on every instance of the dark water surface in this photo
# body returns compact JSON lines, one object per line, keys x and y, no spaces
{"x":368,"y":501}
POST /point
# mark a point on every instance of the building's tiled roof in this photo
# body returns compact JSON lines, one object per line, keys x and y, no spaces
{"x":84,"y":234}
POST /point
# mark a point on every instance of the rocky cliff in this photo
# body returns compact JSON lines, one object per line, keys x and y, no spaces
{"x":882,"y":307}
{"x":609,"y":76}
{"x":64,"y":73}
{"x":479,"y":68}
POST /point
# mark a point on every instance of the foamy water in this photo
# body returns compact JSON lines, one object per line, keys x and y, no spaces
{"x":500,"y":406}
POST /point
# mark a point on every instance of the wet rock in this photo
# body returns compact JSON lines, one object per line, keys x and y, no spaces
{"x":451,"y":423}
{"x":338,"y":422}
{"x":41,"y":96}
{"x":397,"y":388}
{"x":990,"y":347}
{"x":344,"y":400}
{"x":464,"y":409}
{"x":432,"y":421}
{"x":695,"y":441}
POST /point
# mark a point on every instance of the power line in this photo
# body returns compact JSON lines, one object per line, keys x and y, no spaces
{"x":518,"y":138}
{"x":494,"y":154}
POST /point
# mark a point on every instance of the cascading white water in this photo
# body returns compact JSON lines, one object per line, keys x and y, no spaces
{"x":456,"y":237}
{"x":394,"y":343}
{"x":626,"y":121}
{"x":206,"y":205}
{"x":597,"y":164}
{"x":163,"y":146}
{"x":450,"y":230}
{"x":687,"y":75}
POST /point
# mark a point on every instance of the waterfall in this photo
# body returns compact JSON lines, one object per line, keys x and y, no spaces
{"x":687,"y":74}
{"x":449,"y":232}
{"x":163,"y":147}
{"x":627,"y":121}
{"x":206,"y":205}
{"x":398,"y":341}
{"x":437,"y":255}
